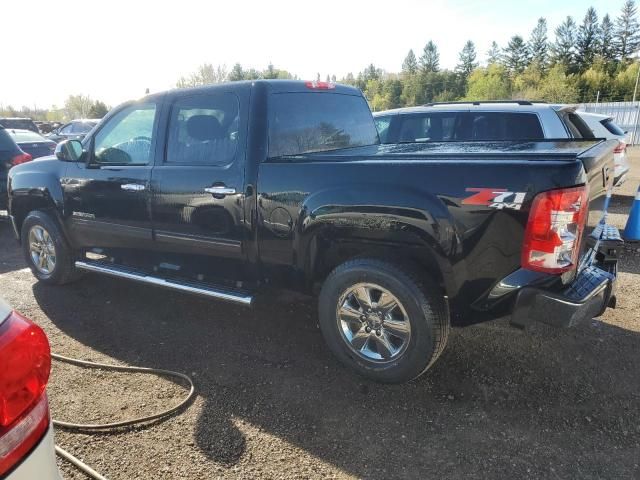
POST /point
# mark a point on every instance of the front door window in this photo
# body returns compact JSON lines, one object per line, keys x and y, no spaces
{"x":127,"y":137}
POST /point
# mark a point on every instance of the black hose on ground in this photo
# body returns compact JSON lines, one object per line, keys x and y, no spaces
{"x":124,"y":423}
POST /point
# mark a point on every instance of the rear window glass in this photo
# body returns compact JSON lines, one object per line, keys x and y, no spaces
{"x":504,"y":126}
{"x":612,"y":127}
{"x":25,"y":136}
{"x":7,"y":144}
{"x":318,"y":122}
{"x":433,"y":127}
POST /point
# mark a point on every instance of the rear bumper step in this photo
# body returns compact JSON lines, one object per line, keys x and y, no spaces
{"x":197,"y":288}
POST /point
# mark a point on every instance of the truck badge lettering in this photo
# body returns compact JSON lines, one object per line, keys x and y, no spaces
{"x":499,"y":198}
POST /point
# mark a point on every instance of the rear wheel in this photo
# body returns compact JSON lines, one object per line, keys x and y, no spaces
{"x":382,"y":320}
{"x":46,"y":251}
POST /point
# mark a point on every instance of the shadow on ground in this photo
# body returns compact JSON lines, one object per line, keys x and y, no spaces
{"x":545,"y":402}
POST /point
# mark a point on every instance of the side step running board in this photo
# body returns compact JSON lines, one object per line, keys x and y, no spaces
{"x":190,"y":287}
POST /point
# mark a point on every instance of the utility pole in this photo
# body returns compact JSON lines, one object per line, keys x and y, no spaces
{"x":598,"y":96}
{"x":633,"y":103}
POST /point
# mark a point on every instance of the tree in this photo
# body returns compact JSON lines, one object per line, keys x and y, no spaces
{"x":205,"y":74}
{"x":538,"y":43}
{"x":563,"y":48}
{"x":410,"y":64}
{"x":467,"y":58}
{"x":493,"y":54}
{"x":626,"y":36}
{"x":237,"y":73}
{"x":98,"y":110}
{"x":557,"y":86}
{"x":430,"y":59}
{"x":587,"y":40}
{"x":516,"y":55}
{"x":605,"y":42}
{"x":490,"y":83}
{"x":77,"y":106}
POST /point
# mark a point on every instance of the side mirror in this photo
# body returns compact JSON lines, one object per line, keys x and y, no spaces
{"x":69,"y":150}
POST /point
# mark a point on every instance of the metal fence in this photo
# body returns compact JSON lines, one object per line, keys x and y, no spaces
{"x":625,"y":115}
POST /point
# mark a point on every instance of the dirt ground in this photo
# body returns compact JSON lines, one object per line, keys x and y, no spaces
{"x":273,"y":403}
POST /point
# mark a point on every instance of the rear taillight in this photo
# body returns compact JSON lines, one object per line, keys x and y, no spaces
{"x":621,"y":148}
{"x":315,"y":85}
{"x":25,"y":363}
{"x":22,"y":158}
{"x":555,"y":226}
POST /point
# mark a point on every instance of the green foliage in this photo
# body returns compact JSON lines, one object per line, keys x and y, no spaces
{"x":493,"y":54}
{"x":587,"y":41}
{"x":539,"y":44}
{"x":558,"y":87}
{"x":410,"y":64}
{"x":467,"y":60}
{"x":490,"y":83}
{"x":627,"y":35}
{"x":605,"y":42}
{"x":430,"y":59}
{"x":98,"y":109}
{"x":516,"y":55}
{"x":563,"y":49}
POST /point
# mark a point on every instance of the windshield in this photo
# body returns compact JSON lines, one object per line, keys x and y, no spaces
{"x":318,"y":122}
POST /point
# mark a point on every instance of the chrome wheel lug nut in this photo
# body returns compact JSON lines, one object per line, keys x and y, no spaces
{"x":367,"y":329}
{"x":378,"y":332}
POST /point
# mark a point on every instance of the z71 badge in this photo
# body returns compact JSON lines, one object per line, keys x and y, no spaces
{"x":495,"y":198}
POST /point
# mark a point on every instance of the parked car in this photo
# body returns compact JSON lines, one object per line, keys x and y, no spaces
{"x":222,"y":190}
{"x":603,"y":126}
{"x":480,"y":121}
{"x":45,"y":127}
{"x":74,"y":130}
{"x":26,"y":434}
{"x":10,"y":155}
{"x":32,"y":143}
{"x":21,"y":123}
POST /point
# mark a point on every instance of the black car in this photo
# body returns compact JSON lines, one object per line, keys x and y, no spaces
{"x":10,"y":155}
{"x":32,"y":143}
{"x":74,"y":130}
{"x":22,"y":123}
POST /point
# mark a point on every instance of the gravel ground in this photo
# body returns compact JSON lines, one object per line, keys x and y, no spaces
{"x":273,"y":403}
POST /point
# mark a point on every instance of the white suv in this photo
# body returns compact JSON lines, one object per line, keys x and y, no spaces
{"x":498,"y":120}
{"x":480,"y":121}
{"x":604,"y":127}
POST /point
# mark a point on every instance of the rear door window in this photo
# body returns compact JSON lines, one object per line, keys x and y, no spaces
{"x":430,"y":127}
{"x":489,"y":126}
{"x":204,"y":130}
{"x":318,"y":122}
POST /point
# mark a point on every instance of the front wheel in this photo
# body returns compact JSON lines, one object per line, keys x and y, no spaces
{"x":46,"y":251}
{"x":382,"y":320}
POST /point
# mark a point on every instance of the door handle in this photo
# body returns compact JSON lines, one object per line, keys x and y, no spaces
{"x":134,"y":187}
{"x":220,"y":190}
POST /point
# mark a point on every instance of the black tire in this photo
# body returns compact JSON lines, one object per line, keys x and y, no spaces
{"x":422,"y":300}
{"x":64,"y":270}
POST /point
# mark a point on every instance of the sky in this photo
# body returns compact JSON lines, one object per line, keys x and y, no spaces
{"x":113,"y":50}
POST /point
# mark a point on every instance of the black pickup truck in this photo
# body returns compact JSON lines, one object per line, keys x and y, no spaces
{"x":224,"y":190}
